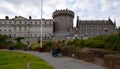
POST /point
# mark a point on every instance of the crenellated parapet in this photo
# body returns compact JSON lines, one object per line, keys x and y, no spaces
{"x":63,"y":12}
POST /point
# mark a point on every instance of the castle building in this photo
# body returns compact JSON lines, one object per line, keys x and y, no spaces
{"x":23,"y":27}
{"x":59,"y":28}
{"x":63,"y":23}
{"x":92,"y":28}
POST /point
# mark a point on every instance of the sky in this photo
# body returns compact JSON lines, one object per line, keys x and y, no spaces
{"x":85,"y":9}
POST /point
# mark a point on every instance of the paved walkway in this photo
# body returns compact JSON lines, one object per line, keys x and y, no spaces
{"x":64,"y":62}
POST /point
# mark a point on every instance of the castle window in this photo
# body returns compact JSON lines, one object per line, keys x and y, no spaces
{"x":4,"y":22}
{"x":5,"y":30}
{"x":9,"y":30}
{"x":25,"y":28}
{"x":49,"y":22}
{"x":35,"y":22}
{"x":20,"y":22}
{"x":20,"y":28}
{"x":45,"y":22}
{"x":10,"y":22}
{"x":14,"y":28}
{"x":24,"y":35}
{"x":30,"y":22}
{"x":15,"y":22}
{"x":30,"y":35}
{"x":44,"y":27}
{"x":35,"y":35}
{"x":25,"y":22}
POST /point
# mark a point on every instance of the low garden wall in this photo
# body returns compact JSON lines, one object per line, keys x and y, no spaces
{"x":101,"y":52}
{"x":112,"y":61}
{"x":80,"y":55}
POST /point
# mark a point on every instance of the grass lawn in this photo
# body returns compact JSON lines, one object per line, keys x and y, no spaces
{"x":17,"y":60}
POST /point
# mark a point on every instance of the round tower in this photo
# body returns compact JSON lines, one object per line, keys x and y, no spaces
{"x":63,"y":22}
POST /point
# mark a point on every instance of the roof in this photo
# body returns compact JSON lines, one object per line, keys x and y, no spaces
{"x":109,"y":21}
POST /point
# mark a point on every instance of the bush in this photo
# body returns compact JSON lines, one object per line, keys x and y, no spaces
{"x":75,"y":42}
{"x":18,"y":39}
{"x":70,"y":48}
{"x":94,"y":44}
{"x":117,"y":41}
{"x":34,"y":46}
{"x":69,"y":43}
{"x":3,"y":41}
{"x":49,"y":44}
{"x":19,"y":45}
{"x":112,"y":42}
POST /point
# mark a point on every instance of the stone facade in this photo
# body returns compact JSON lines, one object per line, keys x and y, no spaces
{"x":27,"y":28}
{"x":60,"y":27}
{"x":23,"y":27}
{"x":63,"y":23}
{"x":91,"y":28}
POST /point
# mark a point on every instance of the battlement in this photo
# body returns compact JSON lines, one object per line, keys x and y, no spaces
{"x":63,"y":12}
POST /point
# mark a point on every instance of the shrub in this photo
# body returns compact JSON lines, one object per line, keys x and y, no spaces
{"x":117,"y":41}
{"x":69,"y":43}
{"x":75,"y":42}
{"x":18,"y":39}
{"x":49,"y":44}
{"x":112,"y":42}
{"x":95,"y":44}
{"x":3,"y":41}
{"x":34,"y":46}
{"x":19,"y":45}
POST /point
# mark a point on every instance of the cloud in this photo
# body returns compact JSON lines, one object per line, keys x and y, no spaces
{"x":86,"y":9}
{"x":24,"y":9}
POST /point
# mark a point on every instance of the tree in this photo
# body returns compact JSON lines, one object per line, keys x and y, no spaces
{"x":18,"y":39}
{"x":118,"y":29}
{"x":110,"y":42}
{"x":3,"y":41}
{"x":49,"y":44}
{"x":117,"y":41}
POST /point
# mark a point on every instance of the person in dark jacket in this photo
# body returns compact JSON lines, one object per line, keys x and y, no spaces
{"x":56,"y":52}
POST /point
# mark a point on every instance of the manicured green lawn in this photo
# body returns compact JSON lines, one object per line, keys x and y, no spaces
{"x":17,"y":60}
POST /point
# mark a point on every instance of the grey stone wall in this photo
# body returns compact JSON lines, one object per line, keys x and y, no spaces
{"x":63,"y":23}
{"x":112,"y":61}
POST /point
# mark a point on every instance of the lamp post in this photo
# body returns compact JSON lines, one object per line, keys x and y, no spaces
{"x":41,"y":25}
{"x":28,"y":42}
{"x":40,"y":49}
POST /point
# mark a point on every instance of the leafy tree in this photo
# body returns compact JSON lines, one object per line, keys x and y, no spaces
{"x":49,"y":44}
{"x":69,"y":43}
{"x":19,"y":45}
{"x":95,"y":42}
{"x":18,"y":39}
{"x":118,"y":29}
{"x":117,"y":41}
{"x":112,"y":42}
{"x":3,"y":41}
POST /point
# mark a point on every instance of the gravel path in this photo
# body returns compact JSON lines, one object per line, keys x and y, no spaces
{"x":64,"y":62}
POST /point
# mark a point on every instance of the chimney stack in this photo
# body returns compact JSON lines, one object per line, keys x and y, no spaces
{"x":6,"y":17}
{"x":30,"y":17}
{"x":15,"y":16}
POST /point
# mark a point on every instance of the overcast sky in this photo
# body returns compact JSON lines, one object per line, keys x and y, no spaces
{"x":85,"y":9}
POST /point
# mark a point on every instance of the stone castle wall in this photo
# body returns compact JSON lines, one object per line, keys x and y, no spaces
{"x":63,"y":22}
